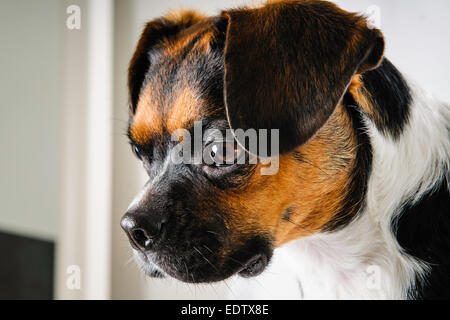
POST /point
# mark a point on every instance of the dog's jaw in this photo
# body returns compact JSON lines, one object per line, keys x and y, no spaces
{"x":146,"y":265}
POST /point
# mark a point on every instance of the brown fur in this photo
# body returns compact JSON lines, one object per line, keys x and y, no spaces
{"x":147,"y":120}
{"x":318,"y":163}
{"x":314,"y":187}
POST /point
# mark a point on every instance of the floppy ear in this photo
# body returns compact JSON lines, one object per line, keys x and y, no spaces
{"x":289,"y":63}
{"x":154,"y":32}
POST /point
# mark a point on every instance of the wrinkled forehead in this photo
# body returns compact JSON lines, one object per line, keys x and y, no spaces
{"x":183,"y":84}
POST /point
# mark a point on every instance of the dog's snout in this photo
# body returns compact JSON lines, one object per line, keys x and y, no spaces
{"x":142,"y":229}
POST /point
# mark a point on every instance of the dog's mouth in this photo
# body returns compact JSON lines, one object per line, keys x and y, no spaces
{"x":205,"y":274}
{"x":254,"y":267}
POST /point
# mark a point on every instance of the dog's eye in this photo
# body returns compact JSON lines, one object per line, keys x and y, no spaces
{"x":222,"y":153}
{"x":136,"y":152}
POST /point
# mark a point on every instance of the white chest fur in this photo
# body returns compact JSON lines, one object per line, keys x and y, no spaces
{"x":351,"y":264}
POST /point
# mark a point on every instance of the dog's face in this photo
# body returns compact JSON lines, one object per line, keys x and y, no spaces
{"x":285,"y":66}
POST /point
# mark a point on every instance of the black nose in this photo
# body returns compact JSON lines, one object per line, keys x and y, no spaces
{"x":143,"y":229}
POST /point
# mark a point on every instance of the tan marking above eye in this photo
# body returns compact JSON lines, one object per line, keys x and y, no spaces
{"x":184,"y":111}
{"x":147,"y":119}
{"x":150,"y":119}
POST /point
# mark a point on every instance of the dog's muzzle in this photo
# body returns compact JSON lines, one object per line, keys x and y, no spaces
{"x":189,"y":250}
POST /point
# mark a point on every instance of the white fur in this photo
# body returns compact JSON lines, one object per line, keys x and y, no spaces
{"x":348,"y":264}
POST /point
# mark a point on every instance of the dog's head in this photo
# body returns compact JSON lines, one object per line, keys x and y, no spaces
{"x":286,"y":66}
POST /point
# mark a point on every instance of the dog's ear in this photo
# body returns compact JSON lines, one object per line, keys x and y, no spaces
{"x":289,"y":63}
{"x":154,"y":32}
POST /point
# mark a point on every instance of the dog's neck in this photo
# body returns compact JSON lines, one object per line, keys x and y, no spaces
{"x":409,"y":161}
{"x":364,"y":259}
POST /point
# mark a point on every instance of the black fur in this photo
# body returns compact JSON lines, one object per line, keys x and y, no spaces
{"x":389,"y":89}
{"x":140,"y":62}
{"x":423,"y":230}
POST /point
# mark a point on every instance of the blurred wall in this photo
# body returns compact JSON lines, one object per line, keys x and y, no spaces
{"x":84,"y":246}
{"x":31,"y":51}
{"x":30,"y":114}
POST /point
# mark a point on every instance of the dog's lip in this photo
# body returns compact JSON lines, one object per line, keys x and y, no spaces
{"x":254,"y":267}
{"x":150,"y":272}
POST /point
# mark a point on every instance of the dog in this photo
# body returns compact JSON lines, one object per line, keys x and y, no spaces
{"x":359,"y":205}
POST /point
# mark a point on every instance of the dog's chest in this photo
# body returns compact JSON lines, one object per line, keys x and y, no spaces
{"x":327,"y":272}
{"x":314,"y":268}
